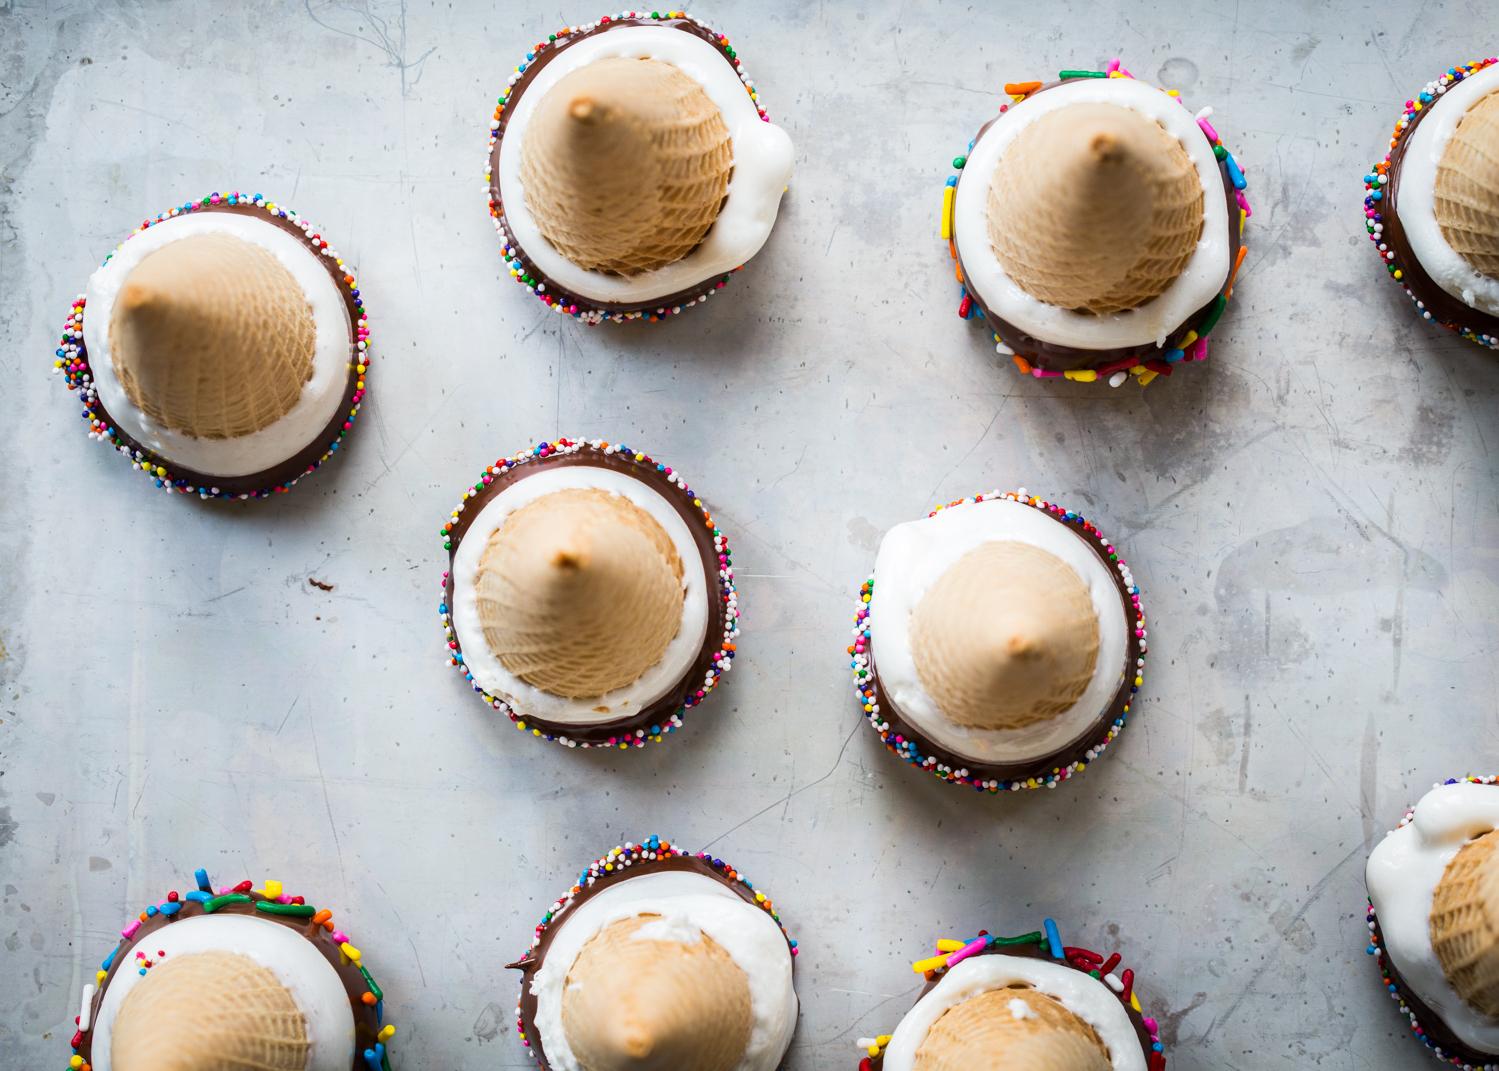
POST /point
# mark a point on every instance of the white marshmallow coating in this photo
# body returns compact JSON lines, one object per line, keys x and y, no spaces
{"x":314,"y":984}
{"x":321,"y":395}
{"x":911,"y":558}
{"x":528,"y":700}
{"x":762,"y":168}
{"x":688,"y":902}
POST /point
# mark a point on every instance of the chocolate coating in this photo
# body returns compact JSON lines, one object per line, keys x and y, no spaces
{"x":1136,"y":1019}
{"x":366,"y":1021}
{"x":1054,"y":357}
{"x":1442,"y":305}
{"x":496,"y":205}
{"x":1097,"y":731}
{"x":302,"y":462}
{"x":531,"y":962}
{"x":715,"y":590}
{"x":1431,"y":1024}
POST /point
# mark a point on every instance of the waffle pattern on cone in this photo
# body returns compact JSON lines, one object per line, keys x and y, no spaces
{"x":212,"y":336}
{"x":625,"y":165}
{"x":1465,"y":923}
{"x":1094,"y":207}
{"x":986,"y":1030}
{"x":243,"y":1019}
{"x":1467,"y":187}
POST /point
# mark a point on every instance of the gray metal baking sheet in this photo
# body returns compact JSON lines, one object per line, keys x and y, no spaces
{"x":1311,"y":516}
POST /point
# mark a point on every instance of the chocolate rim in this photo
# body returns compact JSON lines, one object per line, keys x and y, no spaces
{"x":664,"y":715}
{"x":1154,"y":1061}
{"x":917,"y":749}
{"x":72,"y":361}
{"x":1438,"y":306}
{"x":626,"y":862}
{"x":369,"y":1016}
{"x":523,"y":268}
{"x":1057,"y":359}
{"x":1426,"y":1024}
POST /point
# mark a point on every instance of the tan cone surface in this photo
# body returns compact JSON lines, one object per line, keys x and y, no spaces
{"x":649,"y":1005}
{"x":1465,"y":923}
{"x":1006,"y":637}
{"x":625,"y":165}
{"x":212,"y":336}
{"x":983,"y":1034}
{"x":1094,"y":207}
{"x":209,"y":1011}
{"x":580,"y":592}
{"x":1467,"y":190}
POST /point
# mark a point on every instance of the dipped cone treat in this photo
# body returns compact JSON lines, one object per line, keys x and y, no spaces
{"x":996,"y":1003}
{"x":1434,"y":919}
{"x":1431,"y":206}
{"x":1096,"y":226}
{"x":631,"y":167}
{"x":238,"y":979}
{"x":589,"y":595}
{"x":1002,"y":645}
{"x":658,"y":960}
{"x":221,"y":349}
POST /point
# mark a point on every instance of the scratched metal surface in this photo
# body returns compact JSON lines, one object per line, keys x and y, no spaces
{"x":1311,"y":517}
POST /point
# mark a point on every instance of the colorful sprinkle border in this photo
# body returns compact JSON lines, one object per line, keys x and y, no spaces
{"x":1375,"y":181}
{"x":722,"y":660}
{"x":203,"y":900}
{"x":952,"y":951}
{"x":622,"y":858}
{"x":1191,"y":345}
{"x":1377,"y":950}
{"x":521,"y":268}
{"x":72,"y":363}
{"x":906,"y":750}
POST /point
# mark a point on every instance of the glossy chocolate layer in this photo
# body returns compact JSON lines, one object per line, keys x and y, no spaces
{"x":496,"y":205}
{"x":1442,"y":305}
{"x":306,"y":459}
{"x":1054,"y":357}
{"x":715,"y":590}
{"x":531,"y":962}
{"x":1431,"y":1024}
{"x":1037,"y":951}
{"x":366,"y":1019}
{"x":1097,"y":731}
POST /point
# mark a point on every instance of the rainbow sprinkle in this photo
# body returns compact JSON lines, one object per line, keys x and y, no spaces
{"x":728,"y":647}
{"x":71,"y":360}
{"x":522,"y":269}
{"x":1379,"y":177}
{"x":906,"y":750}
{"x":1190,"y":345}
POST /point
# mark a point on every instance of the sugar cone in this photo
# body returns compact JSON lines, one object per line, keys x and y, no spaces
{"x":990,"y":1033}
{"x":1006,"y":637}
{"x":212,"y":336}
{"x":625,"y":165}
{"x":1094,"y":207}
{"x":580,"y":592}
{"x":1465,"y":923}
{"x":209,"y":1011}
{"x":655,"y":1005}
{"x":1467,"y":190}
